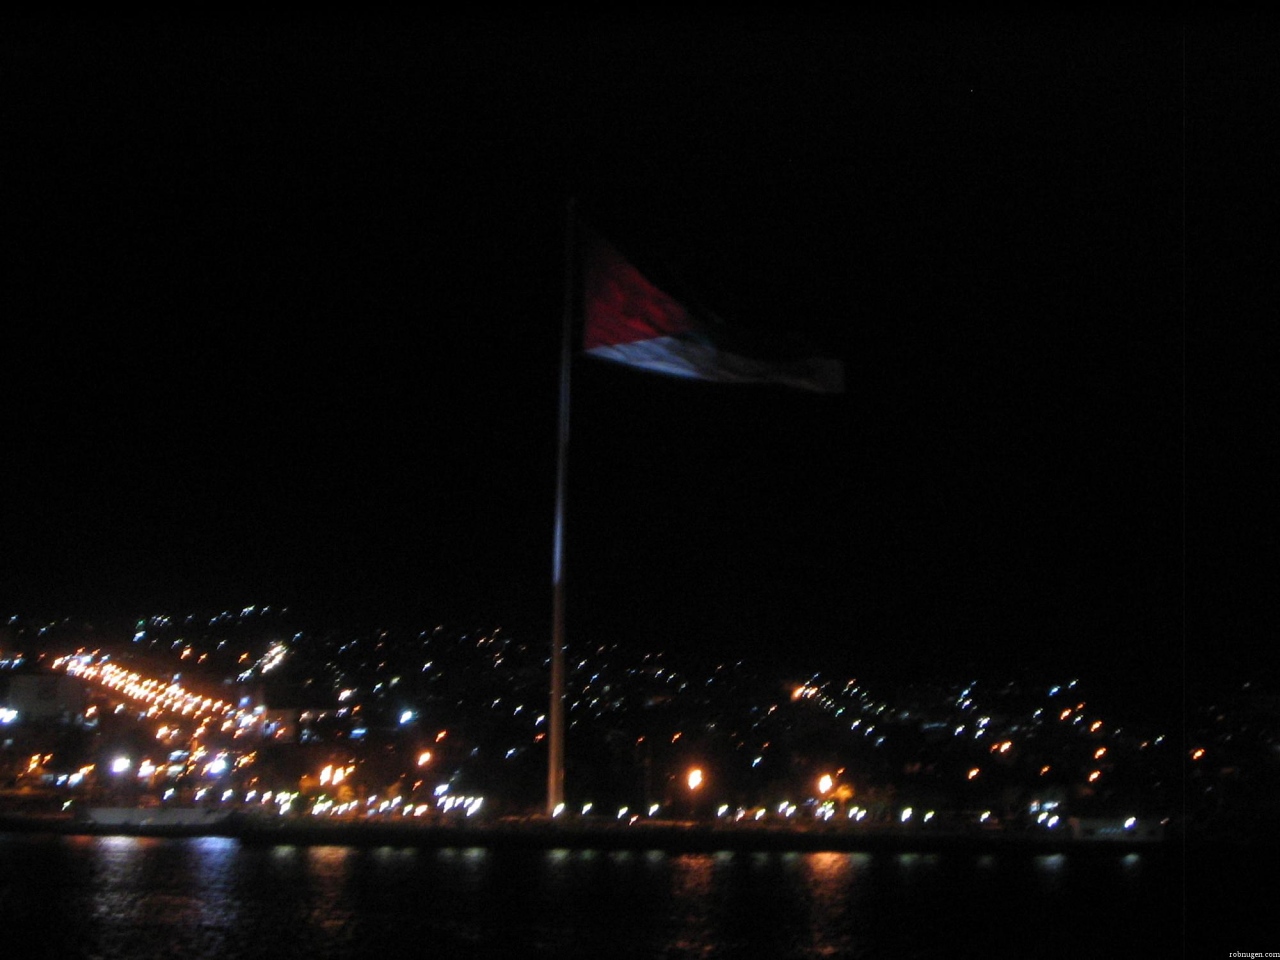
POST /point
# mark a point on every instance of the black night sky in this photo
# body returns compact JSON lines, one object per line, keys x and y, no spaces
{"x":283,"y":304}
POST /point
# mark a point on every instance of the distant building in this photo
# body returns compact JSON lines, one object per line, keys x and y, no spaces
{"x":280,"y":723}
{"x":290,"y":715}
{"x":1115,"y":828}
{"x":41,"y":696}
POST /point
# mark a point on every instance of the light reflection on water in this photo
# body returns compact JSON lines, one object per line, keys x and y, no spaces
{"x":126,"y":898}
{"x":832,"y":894}
{"x":329,"y":914}
{"x":693,"y":907}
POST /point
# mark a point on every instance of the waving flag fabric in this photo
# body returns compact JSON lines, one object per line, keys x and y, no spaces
{"x":629,"y":320}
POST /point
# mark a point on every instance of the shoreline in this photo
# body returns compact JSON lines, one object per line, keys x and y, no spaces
{"x":544,"y":835}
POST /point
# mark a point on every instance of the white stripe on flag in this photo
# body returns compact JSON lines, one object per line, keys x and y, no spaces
{"x":678,"y":357}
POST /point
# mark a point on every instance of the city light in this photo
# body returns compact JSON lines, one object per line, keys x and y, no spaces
{"x":198,"y":732}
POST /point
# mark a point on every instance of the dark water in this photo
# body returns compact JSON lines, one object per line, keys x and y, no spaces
{"x":199,"y":899}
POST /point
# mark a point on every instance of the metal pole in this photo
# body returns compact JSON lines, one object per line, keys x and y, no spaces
{"x":555,"y":758}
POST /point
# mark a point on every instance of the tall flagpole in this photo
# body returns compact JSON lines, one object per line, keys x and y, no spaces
{"x":555,"y":760}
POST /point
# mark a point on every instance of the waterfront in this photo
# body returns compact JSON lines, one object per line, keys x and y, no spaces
{"x":198,"y":898}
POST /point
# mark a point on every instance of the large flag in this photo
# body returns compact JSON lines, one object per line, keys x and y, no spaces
{"x":629,"y":320}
